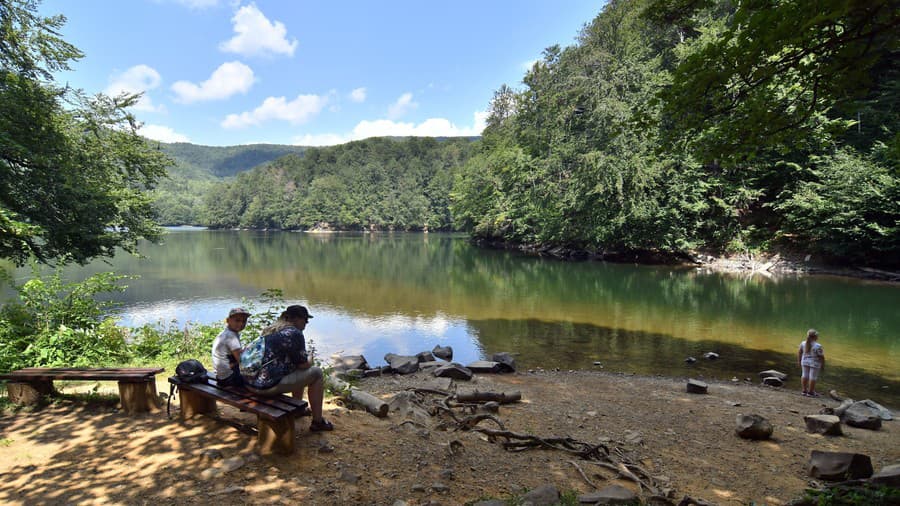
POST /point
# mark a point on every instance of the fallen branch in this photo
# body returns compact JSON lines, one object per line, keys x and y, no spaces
{"x":623,"y":472}
{"x":373,"y":404}
{"x":589,"y":482}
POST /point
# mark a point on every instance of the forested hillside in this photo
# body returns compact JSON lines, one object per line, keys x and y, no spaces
{"x":179,"y":199}
{"x":674,"y":126}
{"x":378,"y":183}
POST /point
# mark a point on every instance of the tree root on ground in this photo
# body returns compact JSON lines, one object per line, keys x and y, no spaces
{"x":612,"y":458}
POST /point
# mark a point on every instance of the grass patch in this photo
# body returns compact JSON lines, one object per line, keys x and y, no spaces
{"x":860,"y":495}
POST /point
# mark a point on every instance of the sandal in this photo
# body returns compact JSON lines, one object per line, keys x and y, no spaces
{"x":320,"y":426}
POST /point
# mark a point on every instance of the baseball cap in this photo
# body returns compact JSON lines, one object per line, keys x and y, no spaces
{"x":238,"y":310}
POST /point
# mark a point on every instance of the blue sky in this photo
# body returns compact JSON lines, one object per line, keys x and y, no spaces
{"x":310,"y":73}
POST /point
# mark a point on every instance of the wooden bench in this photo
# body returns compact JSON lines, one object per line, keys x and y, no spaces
{"x":274,"y":414}
{"x":137,"y":385}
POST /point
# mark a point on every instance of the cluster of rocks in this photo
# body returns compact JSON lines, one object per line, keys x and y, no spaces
{"x":438,"y":361}
{"x":709,"y":355}
{"x":827,"y":466}
{"x":864,"y":414}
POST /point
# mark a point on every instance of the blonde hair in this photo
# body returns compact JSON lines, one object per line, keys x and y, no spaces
{"x":279,"y":324}
{"x":811,"y":334}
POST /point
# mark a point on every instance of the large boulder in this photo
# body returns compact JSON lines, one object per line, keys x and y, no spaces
{"x":883,"y":412}
{"x":453,"y":371}
{"x":828,"y":425}
{"x":443,"y":352}
{"x":773,"y":381}
{"x":839,"y":466}
{"x":889,"y":476}
{"x":402,"y":364}
{"x":861,"y":415}
{"x":753,"y":427}
{"x":696,"y":387}
{"x":484,"y":366}
{"x":425,"y":356}
{"x":772,"y":373}
{"x":506,"y":360}
{"x":349,"y":362}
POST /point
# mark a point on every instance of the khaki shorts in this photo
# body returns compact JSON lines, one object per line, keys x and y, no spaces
{"x":294,"y":381}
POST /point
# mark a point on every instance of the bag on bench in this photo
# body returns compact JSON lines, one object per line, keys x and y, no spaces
{"x":188,"y":371}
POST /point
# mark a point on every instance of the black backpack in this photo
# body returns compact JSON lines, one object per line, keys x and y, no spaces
{"x":188,"y":371}
{"x":191,"y":371}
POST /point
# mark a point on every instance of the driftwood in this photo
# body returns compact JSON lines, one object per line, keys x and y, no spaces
{"x":501,"y":397}
{"x":373,"y":404}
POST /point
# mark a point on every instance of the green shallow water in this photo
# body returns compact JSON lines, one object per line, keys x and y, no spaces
{"x":404,"y":293}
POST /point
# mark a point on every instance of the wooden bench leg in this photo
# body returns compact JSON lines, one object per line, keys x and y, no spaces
{"x":30,"y":392}
{"x":194,"y":403}
{"x":139,"y":397}
{"x":275,"y":436}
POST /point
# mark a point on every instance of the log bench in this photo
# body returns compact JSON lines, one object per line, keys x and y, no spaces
{"x":274,"y":414}
{"x":137,"y":385}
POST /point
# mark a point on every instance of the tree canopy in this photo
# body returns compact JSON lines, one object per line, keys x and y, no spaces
{"x":679,"y":125}
{"x":74,"y":174}
{"x":378,"y":183}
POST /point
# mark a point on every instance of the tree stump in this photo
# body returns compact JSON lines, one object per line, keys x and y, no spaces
{"x":275,"y":436}
{"x":28,"y":393}
{"x":139,"y":397}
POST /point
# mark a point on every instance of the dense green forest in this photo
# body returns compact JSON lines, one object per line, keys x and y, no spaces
{"x":378,"y":183}
{"x":670,"y":126}
{"x":682,"y":125}
{"x":179,"y":199}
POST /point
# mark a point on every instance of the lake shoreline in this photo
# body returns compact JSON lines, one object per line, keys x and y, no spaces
{"x":765,"y":264}
{"x":685,"y":442}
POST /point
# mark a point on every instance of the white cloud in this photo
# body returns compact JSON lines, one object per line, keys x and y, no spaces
{"x":230,"y":78}
{"x":256,"y":35}
{"x":137,"y":79}
{"x":403,"y":105}
{"x":320,"y":140}
{"x":433,"y":127}
{"x":358,"y":95}
{"x":198,"y":4}
{"x":297,"y":111}
{"x":162,"y":133}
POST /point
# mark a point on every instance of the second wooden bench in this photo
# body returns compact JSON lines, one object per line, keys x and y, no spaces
{"x":137,"y":385}
{"x":275,"y":414}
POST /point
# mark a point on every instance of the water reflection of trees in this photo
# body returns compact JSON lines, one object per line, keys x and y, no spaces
{"x":429,"y":274}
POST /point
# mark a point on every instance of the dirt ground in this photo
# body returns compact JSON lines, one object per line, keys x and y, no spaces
{"x":78,"y":452}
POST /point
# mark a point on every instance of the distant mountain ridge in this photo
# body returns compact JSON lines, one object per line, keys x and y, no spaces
{"x":194,"y":161}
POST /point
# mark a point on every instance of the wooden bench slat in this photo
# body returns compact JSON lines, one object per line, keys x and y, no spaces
{"x":282,"y":402}
{"x":272,"y":407}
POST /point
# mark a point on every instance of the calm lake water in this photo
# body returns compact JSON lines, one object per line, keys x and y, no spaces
{"x":403,"y":293}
